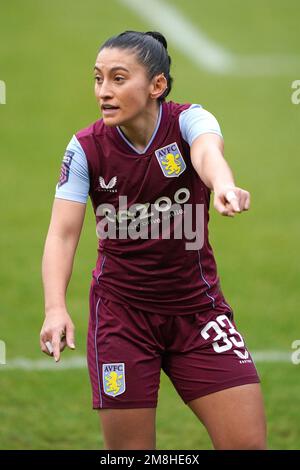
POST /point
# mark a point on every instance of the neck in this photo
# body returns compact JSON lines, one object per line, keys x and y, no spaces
{"x":140,"y":130}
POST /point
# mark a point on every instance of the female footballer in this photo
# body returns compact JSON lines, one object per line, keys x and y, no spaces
{"x":149,"y":166}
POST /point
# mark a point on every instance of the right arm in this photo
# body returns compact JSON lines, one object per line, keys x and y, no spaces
{"x":57,"y":264}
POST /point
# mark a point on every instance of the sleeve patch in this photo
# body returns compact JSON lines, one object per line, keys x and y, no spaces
{"x":65,"y":167}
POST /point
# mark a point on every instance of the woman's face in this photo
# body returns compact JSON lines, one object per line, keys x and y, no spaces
{"x":122,"y":87}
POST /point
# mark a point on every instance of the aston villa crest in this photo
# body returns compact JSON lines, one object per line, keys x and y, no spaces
{"x":170,"y":160}
{"x":114,"y":378}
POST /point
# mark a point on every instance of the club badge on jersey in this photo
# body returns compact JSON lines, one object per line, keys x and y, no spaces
{"x":170,"y":160}
{"x":114,"y":378}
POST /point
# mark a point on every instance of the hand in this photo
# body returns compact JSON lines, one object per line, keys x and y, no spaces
{"x":58,"y":329}
{"x":229,"y":200}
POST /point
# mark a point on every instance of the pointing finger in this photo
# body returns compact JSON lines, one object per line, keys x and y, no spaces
{"x":56,"y":346}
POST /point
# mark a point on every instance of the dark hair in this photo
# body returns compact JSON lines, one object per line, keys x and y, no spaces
{"x":151,"y":49}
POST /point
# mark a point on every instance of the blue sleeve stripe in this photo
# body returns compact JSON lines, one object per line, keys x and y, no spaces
{"x":74,"y":180}
{"x":196,"y":121}
{"x":71,"y":196}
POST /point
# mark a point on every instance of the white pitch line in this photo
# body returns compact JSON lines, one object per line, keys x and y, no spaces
{"x":80,"y":362}
{"x":271,"y":356}
{"x":23,"y":363}
{"x":203,"y":51}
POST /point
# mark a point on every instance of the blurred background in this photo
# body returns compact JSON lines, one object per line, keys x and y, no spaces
{"x":239,"y":60}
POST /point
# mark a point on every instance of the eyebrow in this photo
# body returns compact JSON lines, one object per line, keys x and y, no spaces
{"x":113,"y":69}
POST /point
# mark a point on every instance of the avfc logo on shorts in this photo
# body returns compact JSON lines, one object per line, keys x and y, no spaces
{"x":65,"y":167}
{"x":170,"y":160}
{"x":113,"y":376}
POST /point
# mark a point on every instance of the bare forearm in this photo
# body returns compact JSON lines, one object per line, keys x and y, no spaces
{"x":214,"y":170}
{"x":208,"y":160}
{"x":57,"y":265}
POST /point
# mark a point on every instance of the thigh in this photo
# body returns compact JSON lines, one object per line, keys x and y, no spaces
{"x":234,"y":417}
{"x":123,"y":358}
{"x":128,"y":428}
{"x":207,"y":355}
{"x":214,"y":373}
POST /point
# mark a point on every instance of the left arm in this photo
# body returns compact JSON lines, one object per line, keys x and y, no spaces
{"x":209,"y":162}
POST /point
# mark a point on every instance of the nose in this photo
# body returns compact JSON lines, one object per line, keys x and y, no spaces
{"x":105,"y":90}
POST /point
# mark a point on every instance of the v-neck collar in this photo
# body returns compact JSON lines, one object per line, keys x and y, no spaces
{"x":141,"y":152}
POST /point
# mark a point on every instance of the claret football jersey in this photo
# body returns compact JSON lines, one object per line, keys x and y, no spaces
{"x":151,"y":212}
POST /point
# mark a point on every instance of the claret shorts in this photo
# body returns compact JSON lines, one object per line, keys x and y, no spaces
{"x":127,"y":348}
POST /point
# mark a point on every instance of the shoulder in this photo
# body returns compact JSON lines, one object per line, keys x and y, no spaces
{"x":94,"y":129}
{"x":195,"y":120}
{"x":197,"y":111}
{"x":186,"y":111}
{"x":93,"y":138}
{"x":175,"y":109}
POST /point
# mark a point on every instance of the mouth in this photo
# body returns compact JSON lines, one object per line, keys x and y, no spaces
{"x":108,"y":109}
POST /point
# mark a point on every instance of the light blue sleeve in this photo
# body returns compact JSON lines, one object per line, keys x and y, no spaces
{"x":74,"y":181}
{"x":195,"y":121}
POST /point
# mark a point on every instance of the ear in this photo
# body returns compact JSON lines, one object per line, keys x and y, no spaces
{"x":158,"y":85}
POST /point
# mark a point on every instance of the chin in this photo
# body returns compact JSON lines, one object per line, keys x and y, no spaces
{"x":110,"y":121}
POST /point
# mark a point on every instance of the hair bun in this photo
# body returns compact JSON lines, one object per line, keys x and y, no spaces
{"x":159,"y":37}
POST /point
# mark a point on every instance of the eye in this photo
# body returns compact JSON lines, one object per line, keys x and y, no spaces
{"x":119,"y":78}
{"x":98,"y":79}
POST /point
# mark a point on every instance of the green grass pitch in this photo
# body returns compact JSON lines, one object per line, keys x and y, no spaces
{"x":47,"y":52}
